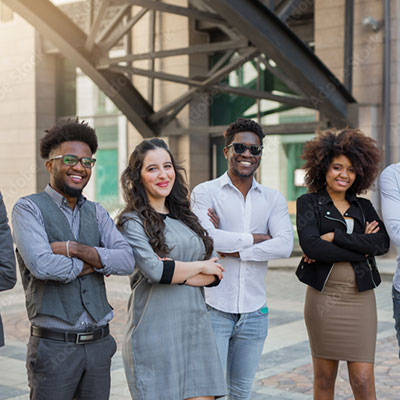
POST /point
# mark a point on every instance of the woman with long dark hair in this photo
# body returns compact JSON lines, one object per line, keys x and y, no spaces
{"x":169,"y":350}
{"x":340,"y":234}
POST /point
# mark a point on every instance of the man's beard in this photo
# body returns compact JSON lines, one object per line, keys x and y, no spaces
{"x":67,"y":190}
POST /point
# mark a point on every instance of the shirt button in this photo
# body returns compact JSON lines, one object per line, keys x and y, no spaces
{"x":328,"y":213}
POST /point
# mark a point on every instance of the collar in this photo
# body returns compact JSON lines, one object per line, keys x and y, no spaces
{"x":226,"y":180}
{"x":59,"y":199}
{"x":324,"y":198}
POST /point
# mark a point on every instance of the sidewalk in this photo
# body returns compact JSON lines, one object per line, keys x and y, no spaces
{"x":285,"y":370}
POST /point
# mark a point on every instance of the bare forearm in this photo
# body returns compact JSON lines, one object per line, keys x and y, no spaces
{"x":260,"y":237}
{"x":200,"y":280}
{"x":186,"y":270}
{"x":85,"y":253}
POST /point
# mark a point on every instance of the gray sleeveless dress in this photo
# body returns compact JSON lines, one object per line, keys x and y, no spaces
{"x":169,"y":350}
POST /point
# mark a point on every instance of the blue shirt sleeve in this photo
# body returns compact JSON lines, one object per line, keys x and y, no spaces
{"x":115,"y":253}
{"x":33,"y":244}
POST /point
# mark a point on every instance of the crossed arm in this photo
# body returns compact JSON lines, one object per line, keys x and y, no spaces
{"x":50,"y":262}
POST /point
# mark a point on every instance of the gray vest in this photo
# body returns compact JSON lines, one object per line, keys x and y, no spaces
{"x":66,"y":301}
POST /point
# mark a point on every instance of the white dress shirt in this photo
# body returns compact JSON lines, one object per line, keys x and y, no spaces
{"x":263,"y":211}
{"x":389,"y":185}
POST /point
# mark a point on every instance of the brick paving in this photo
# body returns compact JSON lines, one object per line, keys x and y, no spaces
{"x":285,"y":370}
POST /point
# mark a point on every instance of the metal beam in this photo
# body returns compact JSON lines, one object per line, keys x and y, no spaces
{"x":53,"y":24}
{"x":240,"y":91}
{"x":287,"y":10}
{"x":94,"y":29}
{"x":279,"y":129}
{"x":195,"y":49}
{"x":177,"y":105}
{"x":121,"y":31}
{"x":348,"y":44}
{"x":184,"y":11}
{"x":112,"y":23}
{"x":272,"y":37}
{"x":261,"y":94}
{"x":285,"y":79}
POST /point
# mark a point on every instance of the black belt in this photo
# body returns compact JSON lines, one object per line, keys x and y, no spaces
{"x":66,"y":336}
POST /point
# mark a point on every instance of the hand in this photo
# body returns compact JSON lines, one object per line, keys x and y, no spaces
{"x":213,"y":217}
{"x":235,"y":254}
{"x":308,"y":260}
{"x":59,"y":248}
{"x":212,"y":267}
{"x":371,"y":227}
{"x":87,"y":269}
{"x":328,"y":236}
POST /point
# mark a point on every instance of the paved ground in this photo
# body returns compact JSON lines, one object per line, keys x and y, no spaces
{"x":285,"y":370}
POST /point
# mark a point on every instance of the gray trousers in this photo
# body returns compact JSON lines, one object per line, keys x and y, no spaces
{"x":66,"y":371}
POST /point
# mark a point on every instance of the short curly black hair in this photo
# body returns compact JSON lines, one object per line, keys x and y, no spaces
{"x":242,"y":125}
{"x":68,"y":131}
{"x":362,"y":151}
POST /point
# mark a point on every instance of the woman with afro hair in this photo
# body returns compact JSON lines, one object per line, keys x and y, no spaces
{"x":340,"y":233}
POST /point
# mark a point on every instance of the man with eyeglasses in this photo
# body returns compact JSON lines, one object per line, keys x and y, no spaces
{"x":65,"y":246}
{"x":250,"y":225}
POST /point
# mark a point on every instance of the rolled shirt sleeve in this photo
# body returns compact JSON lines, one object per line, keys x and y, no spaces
{"x":33,"y":245}
{"x":115,"y":253}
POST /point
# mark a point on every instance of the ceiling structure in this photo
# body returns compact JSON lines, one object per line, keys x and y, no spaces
{"x":246,"y":30}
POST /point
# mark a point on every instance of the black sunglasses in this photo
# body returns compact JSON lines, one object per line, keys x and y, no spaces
{"x":240,"y":148}
{"x":71,"y":160}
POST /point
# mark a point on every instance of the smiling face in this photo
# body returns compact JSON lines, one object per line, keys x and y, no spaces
{"x":158,"y":177}
{"x":340,"y":175}
{"x":243,"y":165}
{"x":69,"y":180}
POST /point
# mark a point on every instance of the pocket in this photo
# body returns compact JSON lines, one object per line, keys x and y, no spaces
{"x":113,"y":345}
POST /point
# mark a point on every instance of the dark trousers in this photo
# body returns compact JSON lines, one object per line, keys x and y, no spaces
{"x":66,"y":371}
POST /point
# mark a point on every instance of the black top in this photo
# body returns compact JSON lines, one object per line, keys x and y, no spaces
{"x":317,"y":215}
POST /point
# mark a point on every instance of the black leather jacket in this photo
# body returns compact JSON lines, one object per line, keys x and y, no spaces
{"x":317,"y":215}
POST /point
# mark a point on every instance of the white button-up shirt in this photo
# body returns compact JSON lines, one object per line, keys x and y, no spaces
{"x":389,"y":185}
{"x":263,"y":211}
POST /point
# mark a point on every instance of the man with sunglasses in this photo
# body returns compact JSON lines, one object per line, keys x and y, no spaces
{"x":65,"y":246}
{"x":250,"y":225}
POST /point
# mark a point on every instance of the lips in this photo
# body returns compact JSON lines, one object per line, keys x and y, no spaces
{"x":76,"y":178}
{"x":342,"y":183}
{"x":162,"y":184}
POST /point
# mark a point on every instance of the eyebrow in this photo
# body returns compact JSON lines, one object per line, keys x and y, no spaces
{"x":336,"y":163}
{"x":156,"y":165}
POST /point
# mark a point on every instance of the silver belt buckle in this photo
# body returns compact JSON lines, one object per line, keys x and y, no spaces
{"x":84,"y":337}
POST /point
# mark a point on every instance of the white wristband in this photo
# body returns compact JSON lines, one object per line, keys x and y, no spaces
{"x":67,"y":245}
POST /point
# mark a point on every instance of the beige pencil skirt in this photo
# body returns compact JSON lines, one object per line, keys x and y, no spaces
{"x":341,"y":321}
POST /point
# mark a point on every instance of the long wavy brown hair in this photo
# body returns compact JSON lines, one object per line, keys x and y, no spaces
{"x":177,"y":202}
{"x":362,"y":151}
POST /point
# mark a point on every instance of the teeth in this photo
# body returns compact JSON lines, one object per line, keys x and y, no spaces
{"x":76,"y":177}
{"x":245,"y":163}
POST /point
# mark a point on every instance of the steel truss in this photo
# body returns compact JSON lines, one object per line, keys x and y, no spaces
{"x":248,"y":30}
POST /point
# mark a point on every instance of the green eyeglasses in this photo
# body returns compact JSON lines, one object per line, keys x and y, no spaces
{"x":71,"y":160}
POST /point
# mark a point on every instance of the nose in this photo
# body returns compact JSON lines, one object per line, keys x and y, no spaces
{"x":163,"y":173}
